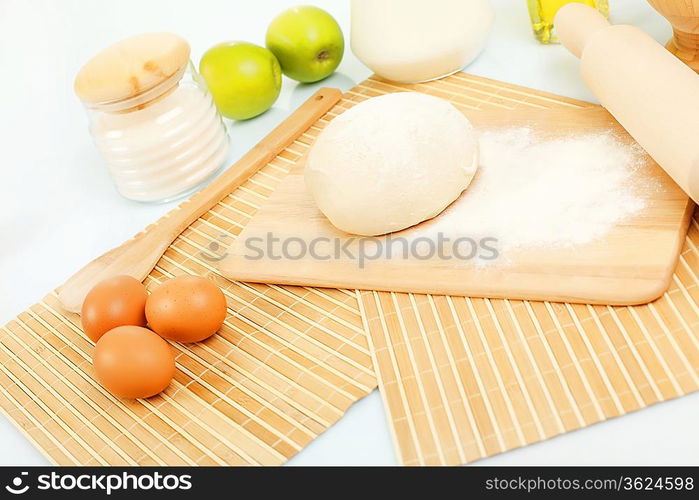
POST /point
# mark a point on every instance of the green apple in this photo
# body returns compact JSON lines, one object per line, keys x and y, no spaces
{"x":307,"y":41}
{"x":244,"y":79}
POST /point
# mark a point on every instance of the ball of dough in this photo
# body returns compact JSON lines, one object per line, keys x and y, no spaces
{"x":391,"y":162}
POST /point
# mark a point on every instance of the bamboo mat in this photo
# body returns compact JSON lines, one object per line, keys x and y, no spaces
{"x":286,"y":365}
{"x":466,"y":378}
{"x":461,"y":378}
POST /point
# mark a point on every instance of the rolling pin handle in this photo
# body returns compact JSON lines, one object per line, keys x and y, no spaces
{"x":575,"y":24}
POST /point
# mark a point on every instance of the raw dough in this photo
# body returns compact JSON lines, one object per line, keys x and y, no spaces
{"x":391,"y":162}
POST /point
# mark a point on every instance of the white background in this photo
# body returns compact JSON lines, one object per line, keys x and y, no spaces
{"x":58,"y":209}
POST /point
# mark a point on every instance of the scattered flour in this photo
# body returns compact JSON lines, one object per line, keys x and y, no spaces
{"x":531,"y":192}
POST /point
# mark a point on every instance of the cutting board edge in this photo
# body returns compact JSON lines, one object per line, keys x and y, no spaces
{"x":643,"y":292}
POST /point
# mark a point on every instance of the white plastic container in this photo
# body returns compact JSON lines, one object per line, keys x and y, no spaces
{"x":412,"y":41}
{"x":152,"y":118}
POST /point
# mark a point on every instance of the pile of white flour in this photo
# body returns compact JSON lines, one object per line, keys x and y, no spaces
{"x":531,"y":192}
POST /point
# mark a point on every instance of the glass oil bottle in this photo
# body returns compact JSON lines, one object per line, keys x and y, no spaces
{"x":542,"y":13}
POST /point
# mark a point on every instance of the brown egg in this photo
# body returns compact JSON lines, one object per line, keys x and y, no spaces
{"x":116,"y":301}
{"x":186,"y":309}
{"x":133,"y":362}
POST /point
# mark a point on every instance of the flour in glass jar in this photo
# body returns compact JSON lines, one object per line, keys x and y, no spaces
{"x":533,"y":192}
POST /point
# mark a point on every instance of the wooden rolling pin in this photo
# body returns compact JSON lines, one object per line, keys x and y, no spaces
{"x":138,"y":256}
{"x":649,"y":91}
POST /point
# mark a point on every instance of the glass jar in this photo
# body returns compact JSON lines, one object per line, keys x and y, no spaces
{"x":152,"y":118}
{"x":412,"y":41}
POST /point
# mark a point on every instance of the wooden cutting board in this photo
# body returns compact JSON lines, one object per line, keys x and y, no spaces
{"x":632,"y":264}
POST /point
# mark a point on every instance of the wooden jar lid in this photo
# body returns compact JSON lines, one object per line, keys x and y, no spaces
{"x":130,"y":67}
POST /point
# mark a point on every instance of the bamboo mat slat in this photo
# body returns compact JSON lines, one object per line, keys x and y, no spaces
{"x":287,"y":364}
{"x":465,"y":378}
